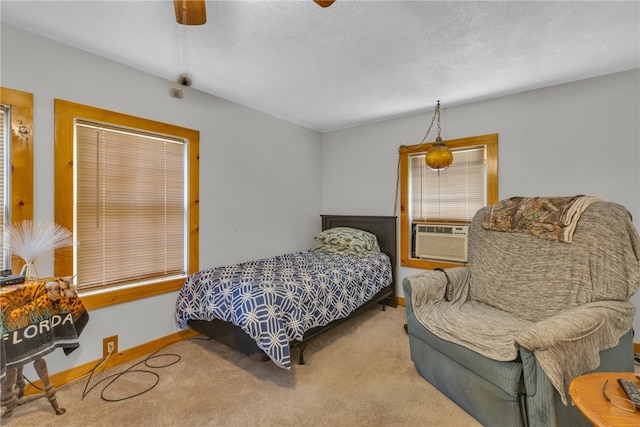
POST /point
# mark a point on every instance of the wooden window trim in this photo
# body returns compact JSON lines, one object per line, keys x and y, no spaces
{"x":21,"y":205}
{"x":65,"y":114}
{"x":491,"y":142}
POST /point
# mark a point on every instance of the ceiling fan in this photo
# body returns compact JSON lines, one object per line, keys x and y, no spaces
{"x":193,"y":12}
{"x":190,"y":12}
{"x":324,"y":3}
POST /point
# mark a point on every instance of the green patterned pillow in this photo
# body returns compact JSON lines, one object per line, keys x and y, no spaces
{"x":343,"y":250}
{"x":347,"y":240}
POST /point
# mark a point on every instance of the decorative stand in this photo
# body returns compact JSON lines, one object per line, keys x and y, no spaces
{"x":13,"y":388}
{"x":27,"y":307}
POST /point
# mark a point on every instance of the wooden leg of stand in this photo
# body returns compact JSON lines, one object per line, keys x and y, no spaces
{"x":41,"y":368}
{"x":9,"y":398}
{"x":19,"y":383}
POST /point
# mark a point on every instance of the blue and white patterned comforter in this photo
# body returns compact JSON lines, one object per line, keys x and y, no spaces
{"x":276,"y":300}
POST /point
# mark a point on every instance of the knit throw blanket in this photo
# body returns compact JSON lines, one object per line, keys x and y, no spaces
{"x":550,"y":218}
{"x":563,"y":302}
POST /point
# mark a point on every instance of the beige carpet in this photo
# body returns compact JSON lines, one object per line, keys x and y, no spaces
{"x":359,"y":374}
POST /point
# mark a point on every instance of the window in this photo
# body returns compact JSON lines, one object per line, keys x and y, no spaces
{"x":451,"y":196}
{"x":16,"y":164}
{"x":5,"y":179}
{"x":130,"y":200}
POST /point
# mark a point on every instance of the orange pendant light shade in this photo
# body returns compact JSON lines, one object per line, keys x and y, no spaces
{"x":439,"y":156}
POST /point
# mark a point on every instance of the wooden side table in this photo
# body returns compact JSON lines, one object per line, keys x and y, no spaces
{"x":586,"y":393}
{"x":37,"y":317}
{"x":13,"y":388}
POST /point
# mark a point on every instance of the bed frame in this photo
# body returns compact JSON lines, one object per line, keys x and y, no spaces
{"x":383,"y":227}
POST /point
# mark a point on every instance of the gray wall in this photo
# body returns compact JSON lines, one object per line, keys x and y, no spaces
{"x":576,"y":138}
{"x":259,"y":175}
{"x":264,"y":182}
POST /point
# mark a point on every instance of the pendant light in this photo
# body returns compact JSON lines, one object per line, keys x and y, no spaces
{"x":439,"y":156}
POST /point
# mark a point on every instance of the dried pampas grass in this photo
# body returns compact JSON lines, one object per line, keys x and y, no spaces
{"x":30,"y":240}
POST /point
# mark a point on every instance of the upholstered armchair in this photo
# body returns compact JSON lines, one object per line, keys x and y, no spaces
{"x":545,"y":298}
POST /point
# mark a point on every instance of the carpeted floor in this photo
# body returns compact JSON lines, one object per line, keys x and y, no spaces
{"x":359,"y":374}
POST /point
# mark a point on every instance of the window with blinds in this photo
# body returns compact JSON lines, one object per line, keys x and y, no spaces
{"x":454,"y":194}
{"x":130,"y":216}
{"x":16,"y":165}
{"x":4,"y":183}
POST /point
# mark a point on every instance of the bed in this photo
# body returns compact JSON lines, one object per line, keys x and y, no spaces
{"x":267,"y":308}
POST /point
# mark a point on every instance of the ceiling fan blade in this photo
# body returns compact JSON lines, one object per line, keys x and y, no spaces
{"x":190,"y":12}
{"x":324,"y":3}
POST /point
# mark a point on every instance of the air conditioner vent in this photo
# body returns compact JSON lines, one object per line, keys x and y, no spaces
{"x":442,"y":242}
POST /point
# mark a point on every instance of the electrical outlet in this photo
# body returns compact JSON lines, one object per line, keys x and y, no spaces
{"x":109,"y":345}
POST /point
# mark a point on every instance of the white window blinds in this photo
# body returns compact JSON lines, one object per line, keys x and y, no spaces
{"x":454,"y":195}
{"x":130,"y":209}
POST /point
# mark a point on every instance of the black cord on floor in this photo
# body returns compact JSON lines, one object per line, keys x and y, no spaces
{"x":113,"y":378}
{"x":77,"y":379}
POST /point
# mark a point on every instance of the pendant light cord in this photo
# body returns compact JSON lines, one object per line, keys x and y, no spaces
{"x":395,"y":204}
{"x":433,"y":119}
{"x":436,"y":113}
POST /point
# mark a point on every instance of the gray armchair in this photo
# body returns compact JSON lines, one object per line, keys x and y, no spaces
{"x":530,"y":313}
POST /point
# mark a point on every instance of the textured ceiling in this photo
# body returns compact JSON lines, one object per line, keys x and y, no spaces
{"x":356,"y":61}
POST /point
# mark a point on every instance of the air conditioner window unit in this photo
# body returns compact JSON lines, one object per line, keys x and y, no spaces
{"x":444,"y":242}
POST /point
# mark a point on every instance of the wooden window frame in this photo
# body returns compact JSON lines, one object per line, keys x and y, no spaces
{"x":491,"y":143}
{"x":21,"y":205}
{"x":65,"y":115}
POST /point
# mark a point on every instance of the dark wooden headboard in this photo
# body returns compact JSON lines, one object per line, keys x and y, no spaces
{"x":383,"y":227}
